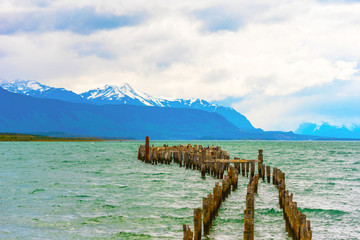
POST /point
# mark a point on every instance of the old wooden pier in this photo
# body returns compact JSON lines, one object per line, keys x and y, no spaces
{"x":216,"y":162}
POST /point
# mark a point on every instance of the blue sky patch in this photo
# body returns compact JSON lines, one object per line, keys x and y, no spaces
{"x":82,"y":21}
{"x":215,"y":19}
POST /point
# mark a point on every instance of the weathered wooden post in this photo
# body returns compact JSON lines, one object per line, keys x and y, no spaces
{"x":247,"y":169}
{"x":139,"y":152}
{"x":203,"y":169}
{"x":252,"y":169}
{"x":250,"y":201}
{"x":243,"y":169}
{"x":274,"y":176}
{"x":147,"y":149}
{"x":217,"y":196}
{"x":188,"y":234}
{"x":263,"y":172}
{"x":260,"y":161}
{"x":185,"y":232}
{"x":309,"y":232}
{"x":298,"y":223}
{"x":211,"y":208}
{"x":206,"y":215}
{"x":282,"y":188}
{"x":197,"y":223}
{"x":268,"y":174}
{"x":256,"y":181}
{"x":248,"y":229}
{"x":303,"y":228}
{"x":237,"y":165}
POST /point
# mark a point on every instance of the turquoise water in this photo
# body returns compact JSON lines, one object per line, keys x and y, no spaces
{"x":100,"y":190}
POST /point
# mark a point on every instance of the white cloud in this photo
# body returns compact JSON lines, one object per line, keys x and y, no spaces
{"x":274,"y":50}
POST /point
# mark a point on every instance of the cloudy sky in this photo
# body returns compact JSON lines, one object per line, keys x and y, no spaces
{"x":280,"y":63}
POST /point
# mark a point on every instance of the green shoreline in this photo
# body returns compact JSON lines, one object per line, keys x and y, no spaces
{"x":15,"y":137}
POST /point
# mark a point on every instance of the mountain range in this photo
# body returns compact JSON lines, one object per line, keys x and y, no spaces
{"x":124,"y":112}
{"x":25,"y":114}
{"x":124,"y":94}
{"x":327,"y":130}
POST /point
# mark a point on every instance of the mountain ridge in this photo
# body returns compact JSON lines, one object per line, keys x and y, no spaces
{"x":25,"y":114}
{"x":125,"y":94}
{"x":327,"y":130}
{"x":36,"y":89}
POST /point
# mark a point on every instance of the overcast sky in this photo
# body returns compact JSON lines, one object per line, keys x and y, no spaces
{"x":280,"y":63}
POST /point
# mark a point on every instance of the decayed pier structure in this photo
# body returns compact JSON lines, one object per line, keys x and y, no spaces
{"x":217,"y":162}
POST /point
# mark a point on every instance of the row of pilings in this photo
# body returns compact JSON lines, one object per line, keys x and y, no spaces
{"x":217,"y":163}
{"x":249,"y":212}
{"x":211,"y":205}
{"x":296,"y":224}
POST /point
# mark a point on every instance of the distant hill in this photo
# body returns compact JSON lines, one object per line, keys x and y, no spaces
{"x":24,"y":114}
{"x":327,"y":130}
{"x":125,"y":94}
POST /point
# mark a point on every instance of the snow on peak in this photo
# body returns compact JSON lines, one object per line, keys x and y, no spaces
{"x":24,"y":86}
{"x":116,"y":93}
{"x":192,"y":100}
{"x":126,"y":86}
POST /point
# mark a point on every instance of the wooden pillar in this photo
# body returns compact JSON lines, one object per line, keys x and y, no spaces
{"x":217,"y":197}
{"x":263,"y":172}
{"x":247,"y":168}
{"x":309,"y":232}
{"x":268,"y":174}
{"x":260,"y":162}
{"x":139,"y":152}
{"x":211,"y":208}
{"x":197,"y":223}
{"x":185,"y":232}
{"x":188,"y":234}
{"x":248,"y":214}
{"x":252,"y":169}
{"x":283,"y":176}
{"x":303,"y":227}
{"x":256,"y":181}
{"x":297,"y":223}
{"x":221,"y":170}
{"x":206,"y":215}
{"x":203,"y":169}
{"x":249,"y":229}
{"x":147,"y":149}
{"x":274,"y":176}
{"x":180,"y":158}
{"x":250,"y":201}
{"x":243,"y":169}
{"x":281,"y":194}
{"x":260,"y":156}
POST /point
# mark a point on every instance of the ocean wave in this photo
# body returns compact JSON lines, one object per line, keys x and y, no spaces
{"x":37,"y":190}
{"x":100,"y":219}
{"x":132,"y":235}
{"x":333,"y":212}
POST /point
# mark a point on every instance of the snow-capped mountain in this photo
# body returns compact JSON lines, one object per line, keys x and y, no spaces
{"x":36,"y":89}
{"x":29,"y":88}
{"x":125,"y":94}
{"x":327,"y":130}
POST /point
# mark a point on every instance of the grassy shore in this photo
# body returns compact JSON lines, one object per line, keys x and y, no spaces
{"x":12,"y":137}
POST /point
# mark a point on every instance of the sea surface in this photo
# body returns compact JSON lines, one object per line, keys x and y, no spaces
{"x":99,"y":190}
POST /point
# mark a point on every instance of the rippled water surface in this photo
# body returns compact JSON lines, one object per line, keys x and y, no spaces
{"x":100,"y":190}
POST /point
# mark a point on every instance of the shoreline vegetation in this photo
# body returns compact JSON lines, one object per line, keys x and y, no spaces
{"x":20,"y":137}
{"x":17,"y":137}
